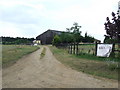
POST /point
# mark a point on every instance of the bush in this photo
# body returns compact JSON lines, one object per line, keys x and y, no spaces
{"x":56,"y":41}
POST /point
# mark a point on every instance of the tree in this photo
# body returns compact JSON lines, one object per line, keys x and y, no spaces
{"x":17,"y":40}
{"x":112,"y":29}
{"x":66,"y":37}
{"x":88,"y":38}
{"x":75,"y":30}
{"x":76,"y":34}
{"x":56,"y":40}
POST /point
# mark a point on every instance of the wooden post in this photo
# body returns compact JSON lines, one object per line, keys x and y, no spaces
{"x":77,"y":48}
{"x":71,"y":48}
{"x":74,"y":49}
{"x":113,"y":51}
{"x":118,"y":51}
{"x":68,"y":48}
{"x":96,"y":48}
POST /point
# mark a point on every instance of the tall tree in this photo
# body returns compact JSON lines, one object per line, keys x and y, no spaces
{"x":112,"y":29}
{"x":75,"y":30}
{"x":76,"y":34}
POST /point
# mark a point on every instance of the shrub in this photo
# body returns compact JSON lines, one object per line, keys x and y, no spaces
{"x":56,"y":41}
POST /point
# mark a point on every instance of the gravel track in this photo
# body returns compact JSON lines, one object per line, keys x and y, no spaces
{"x":33,"y":72}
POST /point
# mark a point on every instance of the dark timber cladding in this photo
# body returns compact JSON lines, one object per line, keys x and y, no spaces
{"x":47,"y":36}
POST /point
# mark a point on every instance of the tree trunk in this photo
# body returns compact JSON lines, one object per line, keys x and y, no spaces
{"x":77,"y":48}
{"x":113,"y":51}
{"x":74,"y":49}
{"x":71,"y":48}
{"x":68,"y":48}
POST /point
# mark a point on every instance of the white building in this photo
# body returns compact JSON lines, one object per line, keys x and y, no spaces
{"x":119,"y":7}
{"x":36,"y":42}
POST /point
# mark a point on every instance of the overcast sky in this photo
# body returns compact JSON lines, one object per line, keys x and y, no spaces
{"x":29,"y":18}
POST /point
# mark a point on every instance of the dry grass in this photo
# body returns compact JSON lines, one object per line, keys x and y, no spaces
{"x":11,"y":53}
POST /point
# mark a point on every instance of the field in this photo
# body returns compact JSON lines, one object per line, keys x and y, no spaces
{"x":87,"y":64}
{"x":89,"y":49}
{"x":11,"y":53}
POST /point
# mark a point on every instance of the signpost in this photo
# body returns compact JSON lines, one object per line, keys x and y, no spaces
{"x":104,"y":50}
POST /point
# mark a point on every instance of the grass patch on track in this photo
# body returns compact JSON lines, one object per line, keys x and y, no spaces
{"x":43,"y":53}
{"x":94,"y":67}
{"x":11,"y":53}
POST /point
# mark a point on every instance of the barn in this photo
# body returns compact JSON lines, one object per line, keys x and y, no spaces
{"x":47,"y":36}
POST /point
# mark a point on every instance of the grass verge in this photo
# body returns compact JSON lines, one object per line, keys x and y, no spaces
{"x":11,"y":53}
{"x":43,"y":53}
{"x":93,"y":67}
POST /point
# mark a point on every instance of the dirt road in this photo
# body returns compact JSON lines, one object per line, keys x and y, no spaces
{"x":33,"y":72}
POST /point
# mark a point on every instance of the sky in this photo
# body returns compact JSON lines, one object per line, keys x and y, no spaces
{"x":30,"y":18}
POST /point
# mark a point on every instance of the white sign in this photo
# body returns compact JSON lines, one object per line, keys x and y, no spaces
{"x":104,"y":50}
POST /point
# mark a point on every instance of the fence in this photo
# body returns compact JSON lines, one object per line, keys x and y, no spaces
{"x":81,"y":49}
{"x":89,"y":48}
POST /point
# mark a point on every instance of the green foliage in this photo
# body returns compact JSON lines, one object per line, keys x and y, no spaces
{"x":109,"y":40}
{"x":56,"y":41}
{"x":66,"y":37}
{"x":72,"y":35}
{"x":88,"y":39}
{"x":17,"y":40}
{"x":76,"y":32}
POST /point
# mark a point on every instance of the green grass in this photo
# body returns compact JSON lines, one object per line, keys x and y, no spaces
{"x":43,"y":53}
{"x":11,"y":53}
{"x":93,"y":57}
{"x":88,"y":65}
